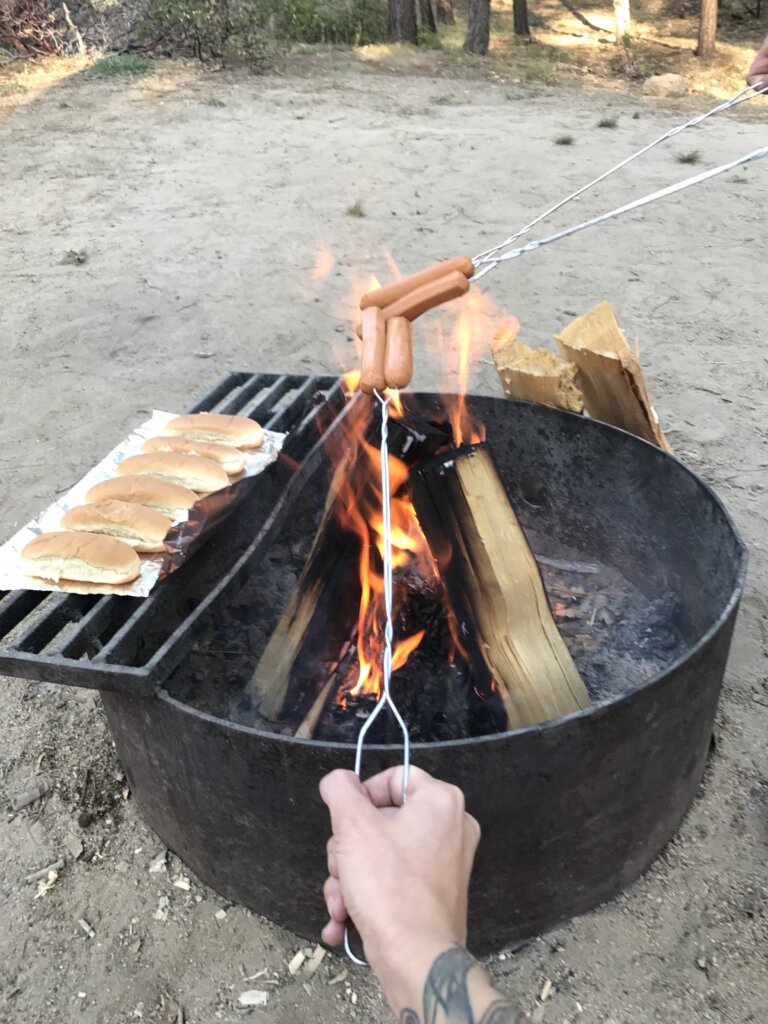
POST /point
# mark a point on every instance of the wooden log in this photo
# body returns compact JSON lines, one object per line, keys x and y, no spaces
{"x":494,"y":585}
{"x":320,"y":613}
{"x":536,"y":375}
{"x":610,"y":377}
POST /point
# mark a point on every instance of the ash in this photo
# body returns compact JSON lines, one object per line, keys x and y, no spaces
{"x":619,"y":639}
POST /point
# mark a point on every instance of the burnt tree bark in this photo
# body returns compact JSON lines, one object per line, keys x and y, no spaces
{"x":520,"y":14}
{"x":427,"y":16}
{"x":445,"y":15}
{"x":402,"y":21}
{"x":707,"y":29}
{"x":478,"y":27}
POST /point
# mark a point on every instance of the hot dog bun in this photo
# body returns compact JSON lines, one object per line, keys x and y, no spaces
{"x":214,"y":426}
{"x":231,"y":459}
{"x":152,"y":492}
{"x":83,"y":557}
{"x":203,"y":475}
{"x":141,"y":528}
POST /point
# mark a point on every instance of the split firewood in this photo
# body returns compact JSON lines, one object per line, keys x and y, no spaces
{"x":495,"y":587}
{"x":536,"y":375}
{"x":610,"y":376}
{"x":329,"y":589}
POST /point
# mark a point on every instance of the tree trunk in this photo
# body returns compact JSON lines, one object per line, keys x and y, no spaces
{"x":445,"y":15}
{"x":478,"y":27}
{"x":707,"y":29}
{"x":622,"y":19}
{"x":521,"y":18}
{"x":427,"y":16}
{"x":402,"y":21}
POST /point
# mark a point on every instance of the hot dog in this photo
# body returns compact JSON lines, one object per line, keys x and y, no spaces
{"x":389,"y":293}
{"x":434,"y":293}
{"x":374,"y":347}
{"x":398,"y":362}
{"x":429,"y":295}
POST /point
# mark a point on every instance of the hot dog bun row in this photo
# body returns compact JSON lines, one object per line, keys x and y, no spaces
{"x":133,"y":512}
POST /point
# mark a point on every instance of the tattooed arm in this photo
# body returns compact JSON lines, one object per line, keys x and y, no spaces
{"x":402,"y":874}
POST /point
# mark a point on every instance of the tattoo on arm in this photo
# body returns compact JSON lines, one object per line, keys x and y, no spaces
{"x":447,"y":1000}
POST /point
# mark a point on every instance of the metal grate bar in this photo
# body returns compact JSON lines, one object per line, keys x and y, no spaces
{"x":236,"y":402}
{"x":59,"y":611}
{"x":282,"y":420}
{"x":95,"y":629}
{"x":16,"y":605}
{"x":220,"y":391}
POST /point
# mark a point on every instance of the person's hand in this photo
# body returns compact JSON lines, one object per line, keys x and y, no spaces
{"x":758,"y":72}
{"x":400,"y":873}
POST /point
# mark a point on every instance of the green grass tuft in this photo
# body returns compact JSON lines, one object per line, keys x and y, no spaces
{"x":75,"y":257}
{"x":356,"y":209}
{"x":11,"y":88}
{"x":564,"y":140}
{"x":608,"y":122}
{"x":692,"y":157}
{"x":121,"y":64}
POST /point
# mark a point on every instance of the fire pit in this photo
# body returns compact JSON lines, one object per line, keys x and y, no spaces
{"x":643,"y":570}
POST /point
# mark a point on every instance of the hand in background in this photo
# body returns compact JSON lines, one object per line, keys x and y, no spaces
{"x":758,"y":72}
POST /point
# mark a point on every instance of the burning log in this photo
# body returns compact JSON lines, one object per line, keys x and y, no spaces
{"x":494,"y":585}
{"x":609,"y":374}
{"x":321,"y":612}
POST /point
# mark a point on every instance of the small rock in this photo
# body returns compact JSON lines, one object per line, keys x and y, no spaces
{"x":159,"y":863}
{"x":295,"y":965}
{"x":314,"y":961}
{"x":182,"y":882}
{"x":87,"y":928}
{"x":546,"y":991}
{"x":84,"y":819}
{"x":135,"y":947}
{"x":664,"y":85}
{"x":220,"y":915}
{"x":122,"y":867}
{"x":338,"y":978}
{"x":253,"y":997}
{"x":81,"y":995}
{"x":701,"y":963}
{"x":74,"y":846}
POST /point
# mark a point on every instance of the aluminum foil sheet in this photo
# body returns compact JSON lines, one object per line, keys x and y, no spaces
{"x":180,"y":543}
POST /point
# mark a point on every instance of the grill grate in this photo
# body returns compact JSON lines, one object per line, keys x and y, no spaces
{"x":132,"y":644}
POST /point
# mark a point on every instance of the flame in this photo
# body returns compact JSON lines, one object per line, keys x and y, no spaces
{"x":324,"y":262}
{"x":466,"y":327}
{"x":470,"y":330}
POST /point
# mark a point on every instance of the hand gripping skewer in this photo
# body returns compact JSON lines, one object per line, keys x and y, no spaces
{"x":409,"y":302}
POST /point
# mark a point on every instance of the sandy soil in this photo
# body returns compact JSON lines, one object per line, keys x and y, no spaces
{"x":200,"y":201}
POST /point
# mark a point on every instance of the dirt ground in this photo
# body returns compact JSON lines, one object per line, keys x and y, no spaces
{"x":198,"y":204}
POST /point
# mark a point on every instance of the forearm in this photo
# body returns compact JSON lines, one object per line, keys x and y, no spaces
{"x":432,"y":984}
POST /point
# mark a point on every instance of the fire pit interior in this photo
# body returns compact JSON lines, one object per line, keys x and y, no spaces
{"x":643,"y":571}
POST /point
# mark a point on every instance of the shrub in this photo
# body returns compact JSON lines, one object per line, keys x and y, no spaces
{"x":244,"y":29}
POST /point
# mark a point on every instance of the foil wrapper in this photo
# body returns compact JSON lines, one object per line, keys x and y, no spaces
{"x":183,"y":539}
